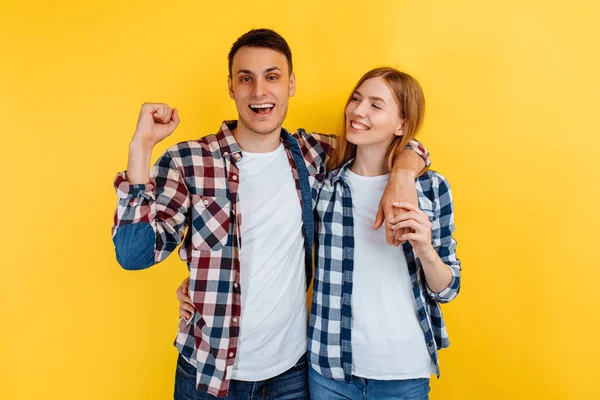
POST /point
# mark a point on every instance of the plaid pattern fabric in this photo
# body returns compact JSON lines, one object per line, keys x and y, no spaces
{"x":192,"y":200}
{"x":330,"y":331}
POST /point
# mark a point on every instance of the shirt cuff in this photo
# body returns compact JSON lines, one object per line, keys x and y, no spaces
{"x":418,"y":147}
{"x":128,"y":191}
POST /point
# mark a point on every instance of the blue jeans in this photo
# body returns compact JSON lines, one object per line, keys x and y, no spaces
{"x":322,"y":388}
{"x":292,"y":384}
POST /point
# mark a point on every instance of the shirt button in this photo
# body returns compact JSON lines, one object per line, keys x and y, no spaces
{"x":422,"y":313}
{"x":234,"y":177}
{"x":416,"y":284}
{"x":234,"y":319}
{"x":226,"y":153}
{"x":428,"y":344}
{"x":231,"y":354}
{"x":235,"y":284}
{"x":205,"y":202}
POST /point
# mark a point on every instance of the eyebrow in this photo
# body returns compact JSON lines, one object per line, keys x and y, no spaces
{"x":373,"y":98}
{"x":247,"y":71}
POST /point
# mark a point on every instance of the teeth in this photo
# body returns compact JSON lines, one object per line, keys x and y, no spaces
{"x":359,"y":127}
{"x":267,"y":105}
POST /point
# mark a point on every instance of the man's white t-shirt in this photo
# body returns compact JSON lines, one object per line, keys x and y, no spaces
{"x":273,"y":331}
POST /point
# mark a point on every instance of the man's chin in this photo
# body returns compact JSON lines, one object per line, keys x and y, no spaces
{"x":262,"y":130}
{"x":262,"y":127}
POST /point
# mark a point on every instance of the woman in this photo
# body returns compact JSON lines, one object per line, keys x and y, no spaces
{"x":375,"y":324}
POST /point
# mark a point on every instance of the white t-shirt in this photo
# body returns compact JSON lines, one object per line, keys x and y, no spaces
{"x":273,"y":331}
{"x":387,"y":340}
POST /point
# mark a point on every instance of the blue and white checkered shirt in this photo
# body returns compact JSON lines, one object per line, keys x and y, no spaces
{"x":330,"y":331}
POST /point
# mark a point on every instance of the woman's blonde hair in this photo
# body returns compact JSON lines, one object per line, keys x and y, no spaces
{"x":408,"y":95}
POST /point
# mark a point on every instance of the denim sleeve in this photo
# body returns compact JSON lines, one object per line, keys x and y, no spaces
{"x":134,"y":246}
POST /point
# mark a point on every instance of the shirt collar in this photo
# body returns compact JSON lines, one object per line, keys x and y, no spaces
{"x":339,"y":173}
{"x":229,"y":146}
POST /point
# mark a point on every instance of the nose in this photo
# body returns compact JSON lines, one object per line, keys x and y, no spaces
{"x":259,"y":88}
{"x":360,"y":110}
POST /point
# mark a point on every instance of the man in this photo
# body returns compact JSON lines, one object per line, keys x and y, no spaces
{"x":241,"y":201}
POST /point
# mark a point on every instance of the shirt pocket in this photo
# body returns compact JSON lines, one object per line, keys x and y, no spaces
{"x":211,"y":217}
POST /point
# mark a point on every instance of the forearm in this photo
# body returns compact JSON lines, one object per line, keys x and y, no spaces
{"x":437,"y":274}
{"x":157,"y":213}
{"x":407,"y":164}
{"x":138,"y":164}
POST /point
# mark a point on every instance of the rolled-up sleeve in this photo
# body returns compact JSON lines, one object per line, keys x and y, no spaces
{"x":444,"y":243}
{"x":149,"y":221}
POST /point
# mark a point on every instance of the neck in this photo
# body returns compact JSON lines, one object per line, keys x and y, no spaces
{"x":253,"y":142}
{"x":370,"y":161}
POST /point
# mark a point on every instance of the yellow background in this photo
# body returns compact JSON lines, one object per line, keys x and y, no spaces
{"x":512,"y":121}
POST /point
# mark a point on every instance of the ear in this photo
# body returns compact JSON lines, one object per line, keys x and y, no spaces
{"x":400,"y":130}
{"x":292,"y":88}
{"x":230,"y":86}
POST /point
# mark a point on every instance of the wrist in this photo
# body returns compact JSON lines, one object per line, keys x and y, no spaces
{"x":403,"y":174}
{"x":141,"y":146}
{"x":427,"y":254}
{"x":138,"y":166}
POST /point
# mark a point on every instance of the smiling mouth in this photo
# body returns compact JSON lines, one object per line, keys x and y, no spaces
{"x":358,"y":126}
{"x":262,"y":109}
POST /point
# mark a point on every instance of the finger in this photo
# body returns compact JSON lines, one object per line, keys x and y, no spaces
{"x":412,"y":237}
{"x":174,"y":120}
{"x":185,"y":285}
{"x":182,"y":296}
{"x":151,"y":107}
{"x":402,"y":232}
{"x":185,"y":314}
{"x":166,"y":115}
{"x":379,"y":218}
{"x":398,"y":240}
{"x":185,"y":298}
{"x":187,"y":307}
{"x":409,"y":223}
{"x":408,"y":206}
{"x":162,"y":114}
{"x":397,"y":218}
{"x":389,"y":232}
{"x":397,"y":234}
{"x":175,"y":117}
{"x":411,"y":215}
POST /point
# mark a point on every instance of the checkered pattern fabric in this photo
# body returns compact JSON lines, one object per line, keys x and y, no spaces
{"x":192,"y":200}
{"x":330,"y":331}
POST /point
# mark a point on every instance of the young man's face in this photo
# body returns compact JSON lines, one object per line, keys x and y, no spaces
{"x":260,"y":84}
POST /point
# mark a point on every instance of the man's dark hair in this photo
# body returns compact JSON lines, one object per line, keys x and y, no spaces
{"x":265,"y":38}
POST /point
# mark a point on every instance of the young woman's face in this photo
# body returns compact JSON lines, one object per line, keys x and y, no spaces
{"x":372,"y":115}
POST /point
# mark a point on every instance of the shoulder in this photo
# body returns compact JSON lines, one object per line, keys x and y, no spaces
{"x":433,"y":180}
{"x":203,"y":151}
{"x":313,"y":139}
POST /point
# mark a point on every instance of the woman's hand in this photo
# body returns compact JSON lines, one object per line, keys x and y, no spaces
{"x":399,"y":190}
{"x":417,"y":229}
{"x":186,"y":307}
